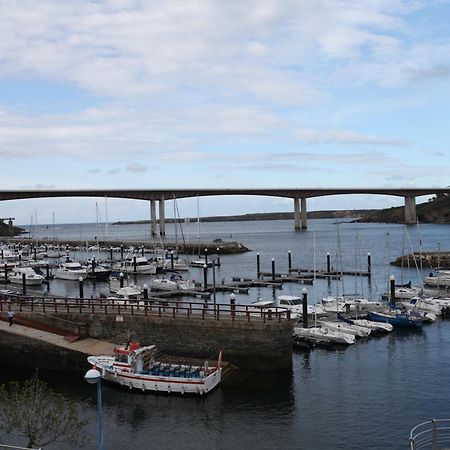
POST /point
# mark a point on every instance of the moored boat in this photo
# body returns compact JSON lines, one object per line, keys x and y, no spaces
{"x":135,"y":367}
{"x":396,"y":319}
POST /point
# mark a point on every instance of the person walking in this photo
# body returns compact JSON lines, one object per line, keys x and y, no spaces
{"x":11,"y":317}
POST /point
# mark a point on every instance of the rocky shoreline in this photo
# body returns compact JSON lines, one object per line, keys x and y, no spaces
{"x":424,"y":259}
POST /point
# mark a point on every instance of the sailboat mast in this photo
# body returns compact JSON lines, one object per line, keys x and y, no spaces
{"x":175,"y":221}
{"x":198,"y":225}
{"x":106,"y":218}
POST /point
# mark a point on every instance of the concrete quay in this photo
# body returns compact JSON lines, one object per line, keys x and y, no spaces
{"x":250,"y":339}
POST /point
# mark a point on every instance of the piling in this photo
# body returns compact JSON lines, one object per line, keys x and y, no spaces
{"x":145,"y":288}
{"x":218,"y":256}
{"x":6,"y":273}
{"x":258,"y":266}
{"x":328,"y":263}
{"x":121,"y":251}
{"x":273,"y":269}
{"x":392,"y":284}
{"x":80,"y":285}
{"x":93,"y":264}
{"x":369,"y":263}
{"x":171,"y":260}
{"x":121,"y":279}
{"x":289,"y":260}
{"x":205,"y":277}
{"x":142,"y":251}
{"x":134,"y":264}
{"x":305,"y":307}
{"x":206,"y":256}
{"x":111,"y":254}
{"x":24,"y":284}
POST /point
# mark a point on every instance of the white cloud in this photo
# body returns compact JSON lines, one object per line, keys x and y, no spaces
{"x":312,"y":136}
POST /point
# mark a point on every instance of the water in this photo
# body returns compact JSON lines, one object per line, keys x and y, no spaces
{"x":367,"y":396}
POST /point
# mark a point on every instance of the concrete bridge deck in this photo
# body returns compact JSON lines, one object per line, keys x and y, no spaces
{"x":298,"y":195}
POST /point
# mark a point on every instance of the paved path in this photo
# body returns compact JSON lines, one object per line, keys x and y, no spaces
{"x":88,"y":346}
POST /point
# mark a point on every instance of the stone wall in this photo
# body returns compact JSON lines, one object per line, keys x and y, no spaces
{"x":250,"y":345}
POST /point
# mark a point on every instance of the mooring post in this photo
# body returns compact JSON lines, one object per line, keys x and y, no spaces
{"x":35,"y":253}
{"x":218,"y":257}
{"x":206,"y":256}
{"x":369,"y":263}
{"x":171,"y":260}
{"x":142,"y":251}
{"x":305,"y":307}
{"x":328,"y":263}
{"x":134,"y":264}
{"x":93,"y":264}
{"x":392,"y":283}
{"x":121,"y":251}
{"x":145,"y":294}
{"x":258,"y":266}
{"x":80,"y":284}
{"x":111,"y":254}
{"x":273,"y":269}
{"x":289,"y":260}
{"x":24,"y":284}
{"x":232,"y":304}
{"x":205,"y":277}
{"x":121,"y":279}
{"x":6,"y":273}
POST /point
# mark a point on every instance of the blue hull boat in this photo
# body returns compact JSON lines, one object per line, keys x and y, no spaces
{"x":396,"y":319}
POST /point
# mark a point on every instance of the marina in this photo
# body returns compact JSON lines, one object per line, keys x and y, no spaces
{"x":311,"y":375}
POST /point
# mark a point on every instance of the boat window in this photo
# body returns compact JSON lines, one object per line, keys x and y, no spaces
{"x":121,"y":358}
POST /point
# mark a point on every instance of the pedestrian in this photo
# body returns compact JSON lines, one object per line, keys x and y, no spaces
{"x":10,"y":317}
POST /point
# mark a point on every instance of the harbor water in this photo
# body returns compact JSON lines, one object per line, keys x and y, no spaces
{"x":366,"y":396}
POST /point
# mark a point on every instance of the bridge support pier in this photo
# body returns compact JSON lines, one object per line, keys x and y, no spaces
{"x":153,"y":217}
{"x":410,"y":210}
{"x":304,"y":213}
{"x":297,"y":213}
{"x":162,"y":218}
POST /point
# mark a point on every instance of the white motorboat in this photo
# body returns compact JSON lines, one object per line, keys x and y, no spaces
{"x":135,"y":367}
{"x":131,"y":292}
{"x":139,"y":265}
{"x":163,"y":284}
{"x":324,"y":335}
{"x":343,"y":327}
{"x":72,"y":270}
{"x":31,"y":277}
{"x":295,"y":305}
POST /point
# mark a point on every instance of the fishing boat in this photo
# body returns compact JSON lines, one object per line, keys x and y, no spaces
{"x":396,"y":319}
{"x":135,"y":367}
{"x":31,"y":277}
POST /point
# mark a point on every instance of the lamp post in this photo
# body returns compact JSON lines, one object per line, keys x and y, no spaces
{"x":93,"y":376}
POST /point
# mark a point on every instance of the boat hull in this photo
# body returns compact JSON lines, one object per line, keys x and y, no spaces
{"x":396,"y":321}
{"x":156,"y":383}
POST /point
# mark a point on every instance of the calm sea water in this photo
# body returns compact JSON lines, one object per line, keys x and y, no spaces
{"x":367,"y":396}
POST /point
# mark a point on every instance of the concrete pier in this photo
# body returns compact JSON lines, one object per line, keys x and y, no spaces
{"x":410,"y":210}
{"x":153,"y":217}
{"x":304,"y":214}
{"x":162,"y":218}
{"x":297,"y":224}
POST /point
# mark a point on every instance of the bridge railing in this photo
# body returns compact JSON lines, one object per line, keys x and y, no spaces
{"x":147,"y":308}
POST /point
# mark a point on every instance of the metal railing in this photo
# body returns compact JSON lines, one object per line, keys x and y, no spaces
{"x":433,"y":435}
{"x":146,"y":308}
{"x":12,"y":447}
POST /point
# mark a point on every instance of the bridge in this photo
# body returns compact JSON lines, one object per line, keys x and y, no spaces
{"x":299,"y":197}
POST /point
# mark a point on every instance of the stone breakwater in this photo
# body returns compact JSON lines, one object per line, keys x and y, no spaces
{"x":221,"y":247}
{"x":424,"y":259}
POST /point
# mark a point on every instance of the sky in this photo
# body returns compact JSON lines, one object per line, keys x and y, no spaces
{"x":203,"y":93}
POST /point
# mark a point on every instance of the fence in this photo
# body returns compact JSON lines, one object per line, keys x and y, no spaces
{"x":147,"y":308}
{"x":432,"y":435}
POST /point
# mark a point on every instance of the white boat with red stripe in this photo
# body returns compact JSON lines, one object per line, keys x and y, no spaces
{"x":136,"y":368}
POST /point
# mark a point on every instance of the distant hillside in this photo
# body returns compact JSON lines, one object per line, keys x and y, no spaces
{"x":352,"y":214}
{"x":436,"y":210}
{"x":4,"y":229}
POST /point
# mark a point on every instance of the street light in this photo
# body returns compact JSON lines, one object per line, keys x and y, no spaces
{"x":93,"y":376}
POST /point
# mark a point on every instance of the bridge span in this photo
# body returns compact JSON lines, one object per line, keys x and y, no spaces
{"x":299,"y":196}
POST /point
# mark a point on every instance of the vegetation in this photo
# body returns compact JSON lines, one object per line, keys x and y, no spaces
{"x":33,"y":411}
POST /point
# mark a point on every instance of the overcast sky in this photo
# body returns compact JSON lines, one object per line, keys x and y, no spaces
{"x":199,"y":93}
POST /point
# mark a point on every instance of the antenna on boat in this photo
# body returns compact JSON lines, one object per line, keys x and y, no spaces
{"x":128,"y":343}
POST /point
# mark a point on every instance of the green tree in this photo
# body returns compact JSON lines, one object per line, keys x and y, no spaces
{"x":34,"y":411}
